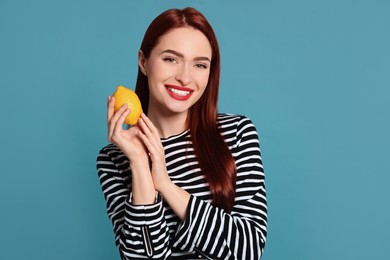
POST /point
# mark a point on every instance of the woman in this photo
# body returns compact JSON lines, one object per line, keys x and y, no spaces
{"x":185,"y":182}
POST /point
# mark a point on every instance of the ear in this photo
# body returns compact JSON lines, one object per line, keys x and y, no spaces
{"x":142,"y":62}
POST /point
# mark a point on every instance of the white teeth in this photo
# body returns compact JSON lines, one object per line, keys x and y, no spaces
{"x":179,"y":92}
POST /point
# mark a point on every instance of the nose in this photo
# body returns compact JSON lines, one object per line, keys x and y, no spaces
{"x":183,"y":75}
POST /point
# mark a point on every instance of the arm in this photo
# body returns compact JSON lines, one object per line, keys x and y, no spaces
{"x":129,"y":143}
{"x":136,"y":214}
{"x":240,"y":234}
{"x":176,"y":197}
{"x":140,"y":230}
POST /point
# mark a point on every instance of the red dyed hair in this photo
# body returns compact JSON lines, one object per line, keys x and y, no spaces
{"x":213,"y":154}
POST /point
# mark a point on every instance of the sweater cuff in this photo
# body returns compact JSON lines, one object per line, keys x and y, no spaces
{"x":191,"y":229}
{"x":144,"y":215}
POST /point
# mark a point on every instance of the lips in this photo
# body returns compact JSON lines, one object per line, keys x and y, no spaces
{"x":178,"y":92}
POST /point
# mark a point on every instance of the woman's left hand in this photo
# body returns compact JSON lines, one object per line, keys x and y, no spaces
{"x":151,"y":139}
{"x":176,"y":197}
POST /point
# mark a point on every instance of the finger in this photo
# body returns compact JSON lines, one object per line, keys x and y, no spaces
{"x":151,"y":141}
{"x":144,"y":128}
{"x":147,"y":134}
{"x":148,"y":144}
{"x":114,"y":121}
{"x":110,"y":108}
{"x":150,"y":125}
{"x":110,"y":113}
{"x":121,"y":120}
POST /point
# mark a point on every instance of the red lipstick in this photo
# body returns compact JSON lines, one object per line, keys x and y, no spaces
{"x":178,"y":92}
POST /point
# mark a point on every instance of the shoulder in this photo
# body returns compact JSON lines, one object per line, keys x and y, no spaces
{"x":234,"y":121}
{"x":111,"y":153}
{"x":109,"y":149}
{"x":235,"y":127}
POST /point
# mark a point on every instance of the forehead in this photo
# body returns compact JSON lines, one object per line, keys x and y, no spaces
{"x":187,"y":40}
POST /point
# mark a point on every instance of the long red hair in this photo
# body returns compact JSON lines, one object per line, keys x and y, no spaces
{"x":213,"y":154}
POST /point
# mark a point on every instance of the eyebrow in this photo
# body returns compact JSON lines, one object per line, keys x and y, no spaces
{"x":182,"y":55}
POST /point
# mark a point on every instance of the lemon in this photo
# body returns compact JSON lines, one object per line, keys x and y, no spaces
{"x":125,"y":95}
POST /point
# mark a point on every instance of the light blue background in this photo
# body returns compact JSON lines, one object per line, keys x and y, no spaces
{"x":313,"y":75}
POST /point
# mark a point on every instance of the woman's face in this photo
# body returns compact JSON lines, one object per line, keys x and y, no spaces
{"x":178,"y":70}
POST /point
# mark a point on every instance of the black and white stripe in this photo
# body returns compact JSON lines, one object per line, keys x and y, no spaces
{"x":208,"y":231}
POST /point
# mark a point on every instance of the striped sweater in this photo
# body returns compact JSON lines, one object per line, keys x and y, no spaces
{"x":208,"y":232}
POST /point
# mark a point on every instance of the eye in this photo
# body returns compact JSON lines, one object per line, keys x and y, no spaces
{"x":201,"y":66}
{"x":170,"y":59}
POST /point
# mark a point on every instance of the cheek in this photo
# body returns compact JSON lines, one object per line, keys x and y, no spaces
{"x":202,"y":79}
{"x":152,"y":69}
{"x":159,"y":71}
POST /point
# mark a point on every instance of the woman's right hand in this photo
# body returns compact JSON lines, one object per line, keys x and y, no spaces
{"x":132,"y":146}
{"x":125,"y":139}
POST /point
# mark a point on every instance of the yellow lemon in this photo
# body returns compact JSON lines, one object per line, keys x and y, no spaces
{"x":124,"y":95}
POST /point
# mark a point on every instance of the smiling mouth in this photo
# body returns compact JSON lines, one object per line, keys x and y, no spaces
{"x":178,"y":92}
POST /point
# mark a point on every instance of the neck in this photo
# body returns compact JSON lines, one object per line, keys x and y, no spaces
{"x":168,"y":124}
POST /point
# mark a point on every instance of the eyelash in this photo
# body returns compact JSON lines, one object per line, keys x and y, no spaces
{"x":174,"y":60}
{"x":170,"y":59}
{"x":201,"y":66}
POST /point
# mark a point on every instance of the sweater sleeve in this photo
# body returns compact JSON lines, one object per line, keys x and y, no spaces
{"x":140,"y":230}
{"x":240,"y":234}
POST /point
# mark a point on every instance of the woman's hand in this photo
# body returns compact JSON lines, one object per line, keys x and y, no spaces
{"x":133,"y":147}
{"x":151,"y":139}
{"x":126,"y":140}
{"x":176,"y":197}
